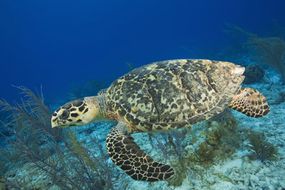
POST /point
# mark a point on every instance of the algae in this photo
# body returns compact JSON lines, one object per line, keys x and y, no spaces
{"x":221,"y":139}
{"x":261,"y":149}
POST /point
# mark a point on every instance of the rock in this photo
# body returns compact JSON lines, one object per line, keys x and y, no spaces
{"x":223,"y":185}
{"x":253,"y":179}
{"x":253,"y":74}
{"x":229,"y":165}
{"x":54,"y":187}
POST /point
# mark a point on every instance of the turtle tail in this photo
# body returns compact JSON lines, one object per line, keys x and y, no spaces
{"x":126,"y":154}
{"x":250,"y":102}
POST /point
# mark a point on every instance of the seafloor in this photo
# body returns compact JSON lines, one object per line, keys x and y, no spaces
{"x":229,"y":160}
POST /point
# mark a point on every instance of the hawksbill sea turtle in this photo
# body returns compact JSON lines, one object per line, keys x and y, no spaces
{"x":161,"y":96}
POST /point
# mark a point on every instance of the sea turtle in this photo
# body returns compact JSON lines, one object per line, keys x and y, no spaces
{"x":161,"y":96}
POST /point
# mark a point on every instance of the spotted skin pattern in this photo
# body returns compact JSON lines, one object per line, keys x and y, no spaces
{"x":250,"y":102}
{"x":70,"y":112}
{"x":171,"y":94}
{"x":128,"y":156}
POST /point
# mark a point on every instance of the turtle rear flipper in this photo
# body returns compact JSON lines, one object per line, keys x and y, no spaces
{"x":250,"y":102}
{"x":125,"y":153}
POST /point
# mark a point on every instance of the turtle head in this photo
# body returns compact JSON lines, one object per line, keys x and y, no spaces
{"x":77,"y":112}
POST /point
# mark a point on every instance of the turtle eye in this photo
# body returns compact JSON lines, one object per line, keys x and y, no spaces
{"x":64,"y":115}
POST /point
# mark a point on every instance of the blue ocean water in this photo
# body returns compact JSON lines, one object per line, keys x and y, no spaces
{"x":59,"y":43}
{"x":68,"y":48}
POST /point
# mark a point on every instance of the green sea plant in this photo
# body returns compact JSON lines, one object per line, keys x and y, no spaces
{"x":221,"y":139}
{"x":30,"y":113}
{"x":271,"y":51}
{"x":261,"y":149}
{"x":266,"y":50}
{"x":205,"y":153}
{"x":59,"y":156}
{"x":2,"y":183}
{"x":171,"y":145}
{"x":77,"y":148}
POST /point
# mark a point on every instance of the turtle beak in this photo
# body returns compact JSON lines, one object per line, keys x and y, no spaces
{"x":53,"y":125}
{"x":53,"y":122}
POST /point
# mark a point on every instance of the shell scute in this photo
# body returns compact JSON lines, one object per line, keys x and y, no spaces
{"x":168,"y":94}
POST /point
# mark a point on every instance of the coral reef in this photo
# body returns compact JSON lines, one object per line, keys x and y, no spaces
{"x":216,"y":154}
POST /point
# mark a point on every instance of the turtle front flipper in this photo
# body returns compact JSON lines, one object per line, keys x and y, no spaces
{"x":250,"y":102}
{"x":126,"y":154}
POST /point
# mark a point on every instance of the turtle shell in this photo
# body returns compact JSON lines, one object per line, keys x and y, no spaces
{"x":171,"y":94}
